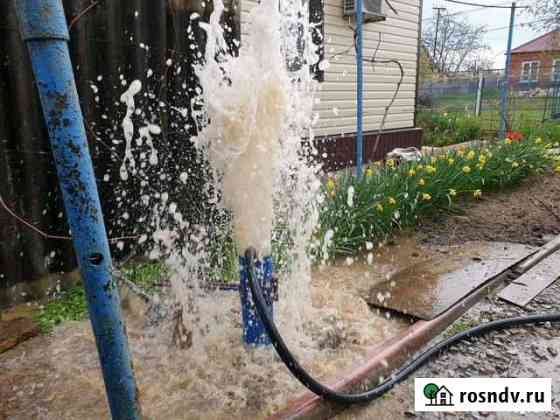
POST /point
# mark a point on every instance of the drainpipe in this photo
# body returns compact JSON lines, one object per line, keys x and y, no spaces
{"x":359,"y":88}
{"x":44,"y":30}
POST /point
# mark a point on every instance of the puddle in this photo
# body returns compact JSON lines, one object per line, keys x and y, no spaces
{"x":428,"y":288}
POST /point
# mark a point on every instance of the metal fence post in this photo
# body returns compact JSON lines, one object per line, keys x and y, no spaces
{"x":505,"y":85}
{"x":43,"y":28}
{"x":478,"y":104}
{"x":359,"y":89}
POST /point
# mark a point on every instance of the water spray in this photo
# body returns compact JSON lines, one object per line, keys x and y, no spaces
{"x":402,"y":374}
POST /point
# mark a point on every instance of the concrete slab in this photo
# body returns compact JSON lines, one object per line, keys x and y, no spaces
{"x":525,"y":288}
{"x":427,"y":289}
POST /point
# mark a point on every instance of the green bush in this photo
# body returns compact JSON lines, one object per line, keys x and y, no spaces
{"x":549,"y":131}
{"x":391,"y":198}
{"x":68,"y":306}
{"x":445,"y":129}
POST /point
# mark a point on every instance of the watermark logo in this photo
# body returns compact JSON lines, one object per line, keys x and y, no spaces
{"x":483,"y":394}
{"x":438,"y":396}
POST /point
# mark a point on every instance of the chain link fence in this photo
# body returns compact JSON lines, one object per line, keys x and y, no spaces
{"x":474,"y":99}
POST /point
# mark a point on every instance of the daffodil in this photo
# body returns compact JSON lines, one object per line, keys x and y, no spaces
{"x":461,"y":153}
{"x":471,"y":155}
{"x":482,"y":158}
{"x":419,"y":167}
{"x":390,"y":163}
{"x":379,"y":208}
{"x":450,"y":161}
{"x":426,"y":197}
{"x":369,"y":172}
{"x":452,"y":192}
{"x":411,"y":172}
{"x":557,"y":169}
{"x":508,"y":141}
{"x":392,"y":201}
{"x":477,"y":194}
{"x":430,"y":169}
{"x":515,"y":165}
{"x":467,"y":169}
{"x":421,"y":182}
{"x":331,"y":184}
{"x":538,"y":140}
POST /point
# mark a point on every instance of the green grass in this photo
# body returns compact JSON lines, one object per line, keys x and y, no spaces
{"x":459,"y":327}
{"x":392,"y":198}
{"x":68,"y":306}
{"x":149,"y":276}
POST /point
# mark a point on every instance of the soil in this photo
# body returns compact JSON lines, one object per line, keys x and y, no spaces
{"x":529,"y":214}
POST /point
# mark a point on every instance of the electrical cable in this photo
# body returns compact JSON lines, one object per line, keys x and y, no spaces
{"x":327,"y":393}
{"x":491,"y":6}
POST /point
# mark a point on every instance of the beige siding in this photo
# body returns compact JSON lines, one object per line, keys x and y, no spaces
{"x":337,"y":96}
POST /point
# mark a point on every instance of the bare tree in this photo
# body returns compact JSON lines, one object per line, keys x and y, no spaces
{"x":458,"y":44}
{"x":546,"y":14}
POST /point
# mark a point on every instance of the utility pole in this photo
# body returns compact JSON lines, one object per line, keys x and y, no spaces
{"x":507,"y":75}
{"x":439,"y":10}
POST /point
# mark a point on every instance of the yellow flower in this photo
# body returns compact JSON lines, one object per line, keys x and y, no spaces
{"x":507,"y":141}
{"x":390,"y":163}
{"x":480,"y":166}
{"x":477,"y":194}
{"x":489,"y":154}
{"x":430,"y":169}
{"x":369,"y":172}
{"x":452,"y":192}
{"x":482,"y":158}
{"x":392,"y":201}
{"x":538,"y":140}
{"x":331,"y":184}
{"x":450,"y":161}
{"x":515,"y":165}
{"x":426,"y":197}
{"x":467,"y":169}
{"x":557,"y":169}
{"x":421,"y":182}
{"x":411,"y":172}
{"x":379,"y":208}
{"x":461,"y":152}
{"x":471,"y":155}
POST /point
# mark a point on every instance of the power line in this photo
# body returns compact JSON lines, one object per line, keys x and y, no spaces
{"x":493,"y":6}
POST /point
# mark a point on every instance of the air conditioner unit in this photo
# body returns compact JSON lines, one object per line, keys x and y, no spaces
{"x":373,"y":9}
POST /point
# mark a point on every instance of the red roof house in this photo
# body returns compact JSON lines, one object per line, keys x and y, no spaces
{"x":537,"y":62}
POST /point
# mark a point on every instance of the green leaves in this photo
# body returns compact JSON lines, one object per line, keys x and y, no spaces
{"x":390,"y":198}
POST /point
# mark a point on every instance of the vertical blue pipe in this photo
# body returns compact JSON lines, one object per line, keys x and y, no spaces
{"x":359,"y":88}
{"x":507,"y":78}
{"x":43,"y":28}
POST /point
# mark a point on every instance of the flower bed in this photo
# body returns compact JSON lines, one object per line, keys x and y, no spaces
{"x":357,"y":213}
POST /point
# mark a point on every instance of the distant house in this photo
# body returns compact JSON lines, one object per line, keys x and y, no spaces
{"x":537,"y":62}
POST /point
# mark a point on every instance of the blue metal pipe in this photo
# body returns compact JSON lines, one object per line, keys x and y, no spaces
{"x":43,"y":28}
{"x":359,"y":88}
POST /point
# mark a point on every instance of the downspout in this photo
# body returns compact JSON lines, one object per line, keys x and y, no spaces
{"x":359,"y":88}
{"x":44,"y":30}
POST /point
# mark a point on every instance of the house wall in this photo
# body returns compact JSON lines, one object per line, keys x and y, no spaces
{"x":336,"y":128}
{"x":546,"y":61}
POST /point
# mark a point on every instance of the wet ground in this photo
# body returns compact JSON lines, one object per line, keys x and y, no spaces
{"x":58,"y":377}
{"x":526,"y":215}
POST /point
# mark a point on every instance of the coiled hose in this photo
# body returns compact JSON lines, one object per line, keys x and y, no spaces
{"x":328,"y":394}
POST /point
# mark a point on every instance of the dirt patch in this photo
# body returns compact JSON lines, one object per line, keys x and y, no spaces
{"x":529,"y":214}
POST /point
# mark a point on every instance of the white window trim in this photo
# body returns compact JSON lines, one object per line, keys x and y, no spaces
{"x":555,"y":63}
{"x":538,"y":71}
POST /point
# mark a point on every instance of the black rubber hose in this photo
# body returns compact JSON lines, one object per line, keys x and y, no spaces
{"x":328,"y":394}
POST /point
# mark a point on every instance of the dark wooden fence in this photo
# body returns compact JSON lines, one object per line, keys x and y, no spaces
{"x":112,"y":43}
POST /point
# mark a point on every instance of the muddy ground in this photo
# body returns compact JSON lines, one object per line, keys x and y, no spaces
{"x":529,"y":215}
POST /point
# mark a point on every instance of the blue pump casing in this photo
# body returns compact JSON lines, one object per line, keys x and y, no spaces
{"x":254,"y":333}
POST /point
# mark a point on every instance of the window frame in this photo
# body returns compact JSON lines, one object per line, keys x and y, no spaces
{"x":555,"y":70}
{"x":537,"y":75}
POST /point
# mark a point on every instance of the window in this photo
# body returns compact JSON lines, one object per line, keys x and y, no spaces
{"x":555,"y":76}
{"x":530,"y":71}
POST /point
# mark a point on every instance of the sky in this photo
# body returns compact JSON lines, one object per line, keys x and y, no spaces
{"x":496,"y":20}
